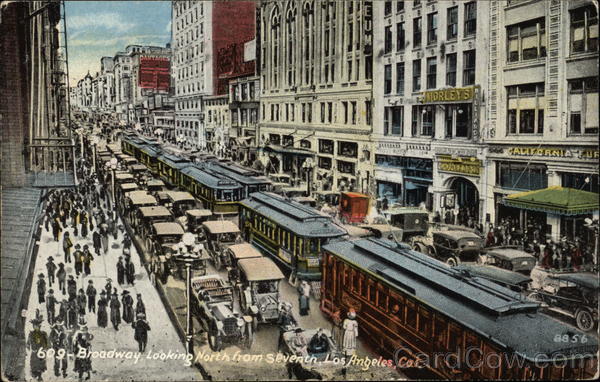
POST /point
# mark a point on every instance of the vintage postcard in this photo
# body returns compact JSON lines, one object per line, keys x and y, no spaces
{"x":299,"y":190}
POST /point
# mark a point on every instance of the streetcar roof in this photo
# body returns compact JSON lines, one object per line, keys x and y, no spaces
{"x":179,"y":196}
{"x":220,"y":226}
{"x":137,"y":167}
{"x":209,"y":179}
{"x":174,"y":161}
{"x":244,"y":251}
{"x":167,"y":228}
{"x":154,"y":211}
{"x":260,"y":269}
{"x":236,"y":173}
{"x":494,"y":273}
{"x":493,"y":311}
{"x":298,"y":218}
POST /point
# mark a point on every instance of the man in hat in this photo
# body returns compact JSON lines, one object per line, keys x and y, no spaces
{"x":67,"y":244}
{"x":83,"y":363}
{"x":129,"y":271}
{"x":104,"y":236}
{"x":83,"y":220}
{"x":51,"y":306}
{"x":298,"y":344}
{"x":87,"y":260}
{"x":286,"y":320}
{"x":38,"y":339}
{"x":81,"y":302}
{"x":58,"y":340}
{"x":127,"y":302}
{"x":51,"y":270}
{"x":304,"y":298}
{"x":91,"y":296}
{"x":121,"y":271}
{"x":108,"y":288}
{"x":61,"y":276}
{"x":97,"y":239}
{"x":141,"y":327}
{"x":56,"y":228}
{"x":102,"y":315}
{"x":319,"y":343}
{"x":41,"y":288}
{"x":140,"y":307}
{"x":126,"y":242}
{"x":78,"y":254}
{"x":72,"y":288}
{"x":115,"y":311}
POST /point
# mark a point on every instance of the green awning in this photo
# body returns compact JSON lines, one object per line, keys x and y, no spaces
{"x":555,"y":200}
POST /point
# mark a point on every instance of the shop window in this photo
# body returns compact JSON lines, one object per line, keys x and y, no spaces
{"x":388,"y":79}
{"x":325,"y":146}
{"x":470,"y":18}
{"x":586,"y":182}
{"x":521,"y":176}
{"x":325,"y":163}
{"x":526,"y":104}
{"x":400,"y":37}
{"x":416,"y":75}
{"x":288,"y":140}
{"x":431,"y":73}
{"x":583,"y":106}
{"x":417,"y":32}
{"x":452,"y":19}
{"x":458,"y":119}
{"x":469,"y":68}
{"x":451,"y":69}
{"x":432,"y":25}
{"x":526,"y":41}
{"x":584,"y":30}
{"x":423,"y":121}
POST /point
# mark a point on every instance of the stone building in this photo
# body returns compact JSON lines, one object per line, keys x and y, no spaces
{"x":244,"y":97}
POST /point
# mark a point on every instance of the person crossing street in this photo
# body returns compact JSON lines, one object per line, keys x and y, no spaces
{"x":51,"y":270}
{"x":91,"y":296}
{"x":67,"y":244}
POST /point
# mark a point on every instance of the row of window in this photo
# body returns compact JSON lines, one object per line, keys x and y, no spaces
{"x":243,"y":91}
{"x":190,"y":36}
{"x":349,"y":112}
{"x":191,"y":70}
{"x":189,"y":18}
{"x":457,"y":121}
{"x":244,"y":117}
{"x":468,"y":72}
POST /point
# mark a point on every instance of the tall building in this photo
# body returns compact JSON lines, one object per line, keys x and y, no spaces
{"x":106,"y":84}
{"x":244,"y":97}
{"x":428,"y":86}
{"x":542,"y":106}
{"x":200,"y":32}
{"x":316,"y":77}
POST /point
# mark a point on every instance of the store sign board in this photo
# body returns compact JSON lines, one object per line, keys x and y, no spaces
{"x":461,"y":165}
{"x":403,"y":149}
{"x":554,"y":152}
{"x":449,"y":95}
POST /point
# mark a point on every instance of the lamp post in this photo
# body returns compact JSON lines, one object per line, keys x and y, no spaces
{"x":95,"y":141}
{"x":307,"y":166}
{"x":188,"y":255}
{"x":113,"y":166}
{"x":593,"y":225}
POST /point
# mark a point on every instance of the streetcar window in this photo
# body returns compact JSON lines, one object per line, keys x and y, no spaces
{"x":440,"y":332}
{"x":355,"y":282}
{"x":382,"y":298}
{"x":423,"y":321}
{"x":455,"y":339}
{"x":472,"y":343}
{"x":411,"y":314}
{"x":372,"y":291}
{"x":363,"y":287}
{"x":396,"y":307}
{"x":492,"y":366}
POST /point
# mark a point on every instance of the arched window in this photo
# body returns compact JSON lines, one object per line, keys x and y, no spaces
{"x":308,"y":41}
{"x":275,"y":44}
{"x":290,"y":30}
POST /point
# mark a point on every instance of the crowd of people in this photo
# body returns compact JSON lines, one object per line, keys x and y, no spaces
{"x":70,"y":302}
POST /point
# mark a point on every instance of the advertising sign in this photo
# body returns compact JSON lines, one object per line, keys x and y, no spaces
{"x":154,"y":73}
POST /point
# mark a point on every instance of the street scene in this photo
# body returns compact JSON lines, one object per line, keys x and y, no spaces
{"x":299,"y":190}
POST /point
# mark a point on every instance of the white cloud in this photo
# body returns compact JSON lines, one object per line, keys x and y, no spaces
{"x":109,"y":20}
{"x":121,"y":41}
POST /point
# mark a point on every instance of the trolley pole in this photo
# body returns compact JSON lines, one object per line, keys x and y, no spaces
{"x":189,"y":325}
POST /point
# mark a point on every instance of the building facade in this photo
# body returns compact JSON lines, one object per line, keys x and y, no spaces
{"x":244,"y":108}
{"x":542,"y":106}
{"x":216,"y":124}
{"x":316,"y":81}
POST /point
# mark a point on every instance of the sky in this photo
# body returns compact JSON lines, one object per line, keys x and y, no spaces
{"x":102,"y":28}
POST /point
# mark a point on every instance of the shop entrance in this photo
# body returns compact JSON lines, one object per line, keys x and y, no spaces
{"x":466,"y":203}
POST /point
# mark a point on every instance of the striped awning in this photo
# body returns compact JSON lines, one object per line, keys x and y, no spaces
{"x":555,"y":200}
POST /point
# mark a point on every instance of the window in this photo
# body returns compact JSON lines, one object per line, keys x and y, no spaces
{"x":584,"y":30}
{"x":416,"y":3}
{"x":353,"y":110}
{"x":329,"y":111}
{"x":325,"y":163}
{"x":396,"y":116}
{"x":470,"y":18}
{"x":416,"y":75}
{"x":388,"y":79}
{"x":350,"y":37}
{"x":345,"y":107}
{"x":526,"y":104}
{"x":349,"y":67}
{"x":521,"y":176}
{"x":432,"y":28}
{"x":322,"y":112}
{"x":388,"y":8}
{"x":417,"y":32}
{"x":469,"y":67}
{"x":583,"y":106}
{"x":400,"y":78}
{"x":400,"y":36}
{"x":368,"y":113}
{"x":526,"y":41}
{"x":451,"y":69}
{"x":431,"y":73}
{"x":388,"y":39}
{"x":458,"y":119}
{"x":325,"y":146}
{"x":427,"y":121}
{"x":399,"y":5}
{"x":452,"y":31}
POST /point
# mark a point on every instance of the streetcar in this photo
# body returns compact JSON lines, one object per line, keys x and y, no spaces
{"x":409,"y":304}
{"x":290,"y":233}
{"x":170,"y":166}
{"x":250,"y":180}
{"x":217,"y":193}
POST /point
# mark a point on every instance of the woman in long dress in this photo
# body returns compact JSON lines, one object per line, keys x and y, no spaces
{"x":115,"y":311}
{"x":350,"y":327}
{"x":102,"y":314}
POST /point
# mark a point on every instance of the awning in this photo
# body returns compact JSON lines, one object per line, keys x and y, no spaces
{"x":288,"y":150}
{"x":555,"y":200}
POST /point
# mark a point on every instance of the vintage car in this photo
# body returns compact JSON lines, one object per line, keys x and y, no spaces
{"x":124,"y":177}
{"x":193,"y":219}
{"x":305,"y":200}
{"x":573,"y":295}
{"x":212,"y":306}
{"x":154,"y":185}
{"x":135,"y":200}
{"x":453,"y":246}
{"x":354,"y":207}
{"x":510,"y":258}
{"x":181,"y":201}
{"x":331,"y":198}
{"x":280,"y":181}
{"x":162,"y":239}
{"x":384,"y":231}
{"x":122,"y":190}
{"x":220,"y":234}
{"x":238,"y":252}
{"x":259,"y":279}
{"x":509,"y":279}
{"x":413,"y":221}
{"x":137,"y":168}
{"x":148,"y":215}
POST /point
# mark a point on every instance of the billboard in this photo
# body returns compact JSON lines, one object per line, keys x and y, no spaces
{"x":154,"y":73}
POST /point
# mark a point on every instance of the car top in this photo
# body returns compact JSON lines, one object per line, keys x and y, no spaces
{"x":383,"y":228}
{"x":127,"y":187}
{"x":458,"y":234}
{"x":405,"y":210}
{"x":154,"y":211}
{"x":508,"y":253}
{"x":199,"y":213}
{"x":168,"y":228}
{"x":587,"y":280}
{"x":140,"y":197}
{"x":494,"y":273}
{"x":155,"y":183}
{"x":220,"y":226}
{"x":260,"y":269}
{"x":244,"y":251}
{"x":179,"y":196}
{"x":137,"y":167}
{"x":124,"y":176}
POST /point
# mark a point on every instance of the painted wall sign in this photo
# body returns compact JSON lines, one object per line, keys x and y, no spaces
{"x":449,"y":95}
{"x":555,"y":152}
{"x":461,"y":165}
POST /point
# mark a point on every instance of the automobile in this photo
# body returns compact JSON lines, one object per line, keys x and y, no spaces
{"x":331,"y":198}
{"x":280,"y":181}
{"x":571,"y":295}
{"x":517,"y":282}
{"x":220,"y":234}
{"x":161,"y":241}
{"x":258,"y":285}
{"x":238,"y":252}
{"x":148,"y":215}
{"x":193,"y":219}
{"x":154,"y":185}
{"x":124,"y":177}
{"x":305,"y":200}
{"x":133,"y":201}
{"x":453,"y":246}
{"x":384,"y":231}
{"x":510,"y":258}
{"x":413,"y":221}
{"x":181,"y":201}
{"x":213,"y":307}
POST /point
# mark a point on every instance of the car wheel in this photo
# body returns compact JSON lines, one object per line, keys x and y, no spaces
{"x":249,"y":336}
{"x":584,"y":320}
{"x":480,"y":260}
{"x":214,"y":341}
{"x":217,"y":261}
{"x":419,"y":248}
{"x":431,"y":251}
{"x":535,"y":297}
{"x":451,"y":262}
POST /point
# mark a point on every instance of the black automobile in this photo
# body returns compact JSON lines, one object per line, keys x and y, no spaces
{"x":573,"y":295}
{"x":509,"y":279}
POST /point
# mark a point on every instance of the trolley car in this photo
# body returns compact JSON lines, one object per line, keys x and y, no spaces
{"x":217,"y":193}
{"x":410,"y":305}
{"x":288,"y":232}
{"x":170,"y":166}
{"x":250,"y":180}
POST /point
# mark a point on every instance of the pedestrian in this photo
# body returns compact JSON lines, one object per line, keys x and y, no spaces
{"x":78,"y":258}
{"x":41,"y":288}
{"x":67,"y":244}
{"x":81,"y":302}
{"x":51,"y":306}
{"x":72,"y":288}
{"x":58,"y":340}
{"x":75,"y":220}
{"x":37,"y":340}
{"x":129,"y":271}
{"x":140,"y":307}
{"x":83,"y":220}
{"x":102,"y":314}
{"x":120,"y":271}
{"x":127,"y":302}
{"x":115,"y":311}
{"x":56,"y":228}
{"x":141,"y":327}
{"x":104,"y":236}
{"x":83,"y":363}
{"x":337,"y":332}
{"x":126,"y":242}
{"x":61,"y":276}
{"x":285,"y":321}
{"x":97,"y":239}
{"x":91,"y":296}
{"x":304,"y":298}
{"x":350,"y":327}
{"x":87,"y":260}
{"x":51,"y":270}
{"x":108,"y":288}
